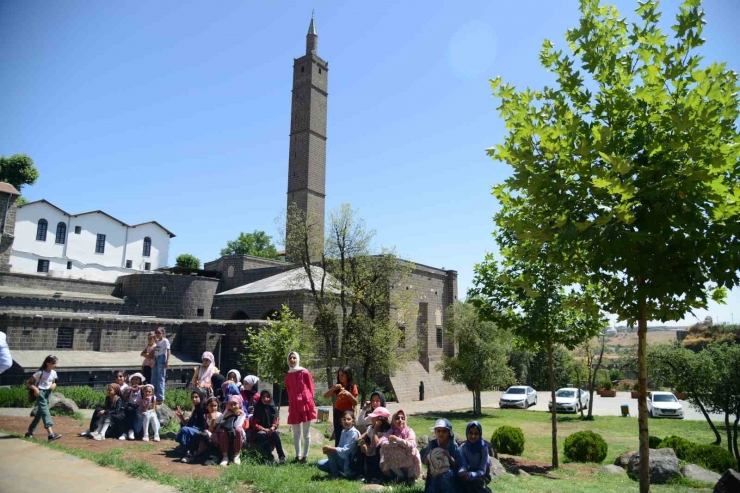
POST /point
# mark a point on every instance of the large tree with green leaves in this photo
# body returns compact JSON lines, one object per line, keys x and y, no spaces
{"x":481,"y":362}
{"x":18,"y":170}
{"x":257,"y":243}
{"x":628,"y":167}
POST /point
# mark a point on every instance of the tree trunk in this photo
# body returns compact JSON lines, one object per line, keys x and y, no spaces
{"x":734,"y":440}
{"x":593,"y":380}
{"x":476,"y":403}
{"x":642,"y":413}
{"x":717,"y":436}
{"x":554,"y":415}
{"x":729,"y":432}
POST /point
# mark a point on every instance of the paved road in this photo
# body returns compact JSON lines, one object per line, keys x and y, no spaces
{"x":26,"y":467}
{"x":603,"y":406}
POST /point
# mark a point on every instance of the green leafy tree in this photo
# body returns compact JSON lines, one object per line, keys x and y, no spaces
{"x":482,"y":356}
{"x":593,"y":355}
{"x":18,"y":170}
{"x":187,"y":261}
{"x":691,"y":371}
{"x":527,"y":295}
{"x":268,"y":347}
{"x":256,"y":243}
{"x":563,"y":369}
{"x":628,"y":167}
{"x":724,"y":390}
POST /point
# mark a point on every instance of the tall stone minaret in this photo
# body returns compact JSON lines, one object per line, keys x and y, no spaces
{"x":307,"y":160}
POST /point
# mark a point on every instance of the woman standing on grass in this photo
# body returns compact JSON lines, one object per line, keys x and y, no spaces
{"x":301,"y":406}
{"x":42,"y":384}
{"x":346,"y":392}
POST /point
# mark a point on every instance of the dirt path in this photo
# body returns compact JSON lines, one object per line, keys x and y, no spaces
{"x":158,"y":455}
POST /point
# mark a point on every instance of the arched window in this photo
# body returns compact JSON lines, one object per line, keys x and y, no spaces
{"x":230,"y":271}
{"x":240,"y":315}
{"x":147,"y":246}
{"x":61,"y":233}
{"x":41,"y":230}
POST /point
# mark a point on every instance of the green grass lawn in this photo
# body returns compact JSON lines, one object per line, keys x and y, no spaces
{"x":619,"y":433}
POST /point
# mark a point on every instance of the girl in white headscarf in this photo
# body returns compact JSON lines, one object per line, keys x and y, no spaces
{"x":301,"y":406}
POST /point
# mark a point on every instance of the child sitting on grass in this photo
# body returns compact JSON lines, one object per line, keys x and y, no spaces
{"x":131,"y":397}
{"x":475,"y":461}
{"x":190,"y":431}
{"x":399,"y":457}
{"x":442,"y":456}
{"x":369,"y":444}
{"x":112,"y":419}
{"x":339,"y":458}
{"x":229,"y":436}
{"x":148,"y":411}
{"x":263,"y":427}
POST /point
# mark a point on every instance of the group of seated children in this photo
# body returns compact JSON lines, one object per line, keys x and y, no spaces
{"x":387,"y":451}
{"x":129,"y":410}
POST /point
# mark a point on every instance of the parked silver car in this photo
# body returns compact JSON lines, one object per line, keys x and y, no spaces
{"x":519,"y":396}
{"x":570,"y":400}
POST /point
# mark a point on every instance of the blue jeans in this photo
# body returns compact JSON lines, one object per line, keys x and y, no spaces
{"x":159,"y":376}
{"x":189,"y":437}
{"x":333,"y":464}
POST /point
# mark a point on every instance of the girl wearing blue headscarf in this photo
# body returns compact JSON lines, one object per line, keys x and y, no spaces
{"x":475,"y":461}
{"x":442,"y":458}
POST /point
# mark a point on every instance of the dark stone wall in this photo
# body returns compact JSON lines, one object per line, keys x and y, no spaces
{"x":109,"y":334}
{"x":56,"y":284}
{"x":244,"y":269}
{"x":431,"y":289}
{"x":8,"y":210}
{"x":169,"y":296}
{"x":257,"y":307}
{"x":62,"y":305}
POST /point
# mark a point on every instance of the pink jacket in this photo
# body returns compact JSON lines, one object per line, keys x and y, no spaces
{"x":301,"y":406}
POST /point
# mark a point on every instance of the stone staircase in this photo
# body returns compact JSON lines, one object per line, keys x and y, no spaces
{"x":405,"y":383}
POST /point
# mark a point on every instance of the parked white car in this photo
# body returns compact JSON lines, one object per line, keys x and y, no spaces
{"x":570,"y":400}
{"x":519,"y":396}
{"x":664,"y":405}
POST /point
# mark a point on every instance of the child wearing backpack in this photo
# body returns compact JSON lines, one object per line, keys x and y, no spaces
{"x":230,"y":432}
{"x":40,"y":387}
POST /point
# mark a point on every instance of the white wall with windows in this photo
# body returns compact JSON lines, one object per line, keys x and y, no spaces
{"x":92,"y":245}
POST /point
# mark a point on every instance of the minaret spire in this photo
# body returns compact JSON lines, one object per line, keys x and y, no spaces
{"x":312,"y":39}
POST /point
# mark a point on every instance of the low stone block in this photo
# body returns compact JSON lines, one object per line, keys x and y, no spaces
{"x":728,"y":483}
{"x":623,"y":460}
{"x":663,"y":465}
{"x":696,"y":473}
{"x":612,"y":469}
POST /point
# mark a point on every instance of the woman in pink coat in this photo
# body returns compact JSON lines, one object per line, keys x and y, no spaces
{"x":301,"y":406}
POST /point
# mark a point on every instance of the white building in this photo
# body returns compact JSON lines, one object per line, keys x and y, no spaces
{"x":92,"y":245}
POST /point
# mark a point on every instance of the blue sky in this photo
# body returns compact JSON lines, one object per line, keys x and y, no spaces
{"x":178,"y":111}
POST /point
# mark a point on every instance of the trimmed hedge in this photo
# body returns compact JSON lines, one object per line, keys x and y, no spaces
{"x":87,"y":397}
{"x":585,"y":446}
{"x":654,"y":441}
{"x":712,"y":457}
{"x":508,"y":440}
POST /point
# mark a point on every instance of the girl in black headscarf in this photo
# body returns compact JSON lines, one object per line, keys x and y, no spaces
{"x":190,"y":432}
{"x":263,"y":428}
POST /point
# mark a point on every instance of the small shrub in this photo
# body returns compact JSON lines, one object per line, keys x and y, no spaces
{"x":680,"y":445}
{"x":508,"y":440}
{"x":654,"y":441}
{"x":585,"y":446}
{"x":181,"y":397}
{"x":608,"y":385}
{"x":713,"y":457}
{"x":84,"y":397}
{"x":14,"y":397}
{"x":322,"y":401}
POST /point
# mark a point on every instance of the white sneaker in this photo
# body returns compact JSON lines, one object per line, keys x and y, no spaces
{"x":187,"y":459}
{"x":156,"y":438}
{"x":237,"y":460}
{"x":130,"y":434}
{"x":224,"y":463}
{"x":145,"y":438}
{"x":85,"y":433}
{"x":98,"y":437}
{"x":122,"y":437}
